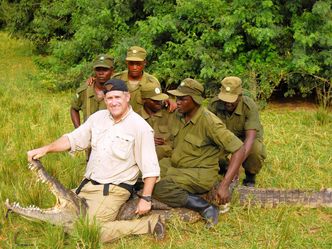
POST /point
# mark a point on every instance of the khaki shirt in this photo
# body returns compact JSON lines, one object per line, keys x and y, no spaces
{"x":197,"y":143}
{"x":87,"y":101}
{"x":119,"y":150}
{"x":135,"y":90}
{"x":161,"y":123}
{"x":245,"y":117}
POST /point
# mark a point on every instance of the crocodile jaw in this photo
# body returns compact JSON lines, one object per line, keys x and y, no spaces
{"x":68,"y":205}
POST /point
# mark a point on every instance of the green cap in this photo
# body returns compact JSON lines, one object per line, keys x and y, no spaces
{"x":189,"y":87}
{"x":230,"y":89}
{"x":136,"y":53}
{"x":150,"y":91}
{"x":103,"y":60}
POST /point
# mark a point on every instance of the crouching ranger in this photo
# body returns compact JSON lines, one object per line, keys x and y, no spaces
{"x":155,"y":113}
{"x":193,"y":167}
{"x":119,"y":151}
{"x":240,"y":115}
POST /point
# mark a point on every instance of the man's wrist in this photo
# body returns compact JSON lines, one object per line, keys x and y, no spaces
{"x":147,"y":198}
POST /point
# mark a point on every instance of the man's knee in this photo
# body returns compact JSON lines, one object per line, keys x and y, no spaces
{"x":169,"y":193}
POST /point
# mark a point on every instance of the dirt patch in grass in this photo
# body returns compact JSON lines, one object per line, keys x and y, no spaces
{"x":293,"y":103}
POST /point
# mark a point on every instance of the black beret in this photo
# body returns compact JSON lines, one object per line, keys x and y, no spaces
{"x":115,"y":85}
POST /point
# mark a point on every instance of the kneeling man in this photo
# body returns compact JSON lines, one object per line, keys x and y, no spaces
{"x":122,"y":145}
{"x":199,"y":136}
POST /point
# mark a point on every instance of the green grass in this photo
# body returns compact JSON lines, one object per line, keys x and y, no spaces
{"x":298,"y":141}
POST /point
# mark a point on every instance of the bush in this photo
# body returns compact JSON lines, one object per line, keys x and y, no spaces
{"x":263,"y":42}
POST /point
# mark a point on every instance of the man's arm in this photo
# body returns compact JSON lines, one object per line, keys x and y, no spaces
{"x":75,"y":117}
{"x":61,"y":144}
{"x":248,"y":142}
{"x":223,"y":195}
{"x":144,"y":206}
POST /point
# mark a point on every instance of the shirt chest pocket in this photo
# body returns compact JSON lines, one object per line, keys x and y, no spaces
{"x":194,"y":145}
{"x":163,"y":131}
{"x":122,"y":146}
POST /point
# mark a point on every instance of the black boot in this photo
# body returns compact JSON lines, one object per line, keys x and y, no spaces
{"x":208,"y":211}
{"x":250,"y":179}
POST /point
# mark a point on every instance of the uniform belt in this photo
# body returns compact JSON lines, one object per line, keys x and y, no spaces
{"x":128,"y":187}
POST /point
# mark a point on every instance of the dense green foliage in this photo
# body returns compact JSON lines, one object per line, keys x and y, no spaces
{"x":32,"y":116}
{"x":270,"y":44}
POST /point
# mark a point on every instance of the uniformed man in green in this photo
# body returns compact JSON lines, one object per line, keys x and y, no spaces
{"x":135,"y":77}
{"x":193,"y":167}
{"x":240,"y":115}
{"x":154,"y":112}
{"x":90,"y":98}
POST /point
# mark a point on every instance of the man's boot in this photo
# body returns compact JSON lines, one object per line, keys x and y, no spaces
{"x":159,"y":230}
{"x":250,"y":179}
{"x":208,"y":211}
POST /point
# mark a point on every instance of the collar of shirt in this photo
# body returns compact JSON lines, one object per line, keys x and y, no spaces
{"x":123,"y":117}
{"x":124,"y":77}
{"x":196,"y":116}
{"x":238,"y":110}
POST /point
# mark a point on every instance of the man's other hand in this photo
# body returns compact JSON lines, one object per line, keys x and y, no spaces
{"x":171,"y":105}
{"x":159,"y":141}
{"x":90,"y":81}
{"x":143,"y":207}
{"x":223,"y":195}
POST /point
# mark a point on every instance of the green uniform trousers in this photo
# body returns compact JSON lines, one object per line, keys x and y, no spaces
{"x":176,"y":183}
{"x":254,"y":161}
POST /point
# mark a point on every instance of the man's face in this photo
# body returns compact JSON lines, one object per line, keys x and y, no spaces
{"x":153,"y":105}
{"x":230,"y":107}
{"x":117,"y":103}
{"x":135,"y":68}
{"x":185,"y":104}
{"x":103,"y":74}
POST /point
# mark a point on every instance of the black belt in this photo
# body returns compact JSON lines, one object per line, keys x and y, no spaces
{"x":128,"y":187}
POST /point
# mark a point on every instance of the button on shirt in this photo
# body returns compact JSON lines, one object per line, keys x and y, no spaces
{"x":119,"y":150}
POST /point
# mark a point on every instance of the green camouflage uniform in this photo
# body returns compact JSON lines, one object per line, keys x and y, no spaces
{"x":245,"y":117}
{"x":135,"y":90}
{"x":193,"y":166}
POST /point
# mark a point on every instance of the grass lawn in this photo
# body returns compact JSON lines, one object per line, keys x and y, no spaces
{"x":299,"y":156}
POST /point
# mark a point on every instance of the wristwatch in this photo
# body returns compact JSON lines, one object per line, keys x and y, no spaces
{"x":147,"y":198}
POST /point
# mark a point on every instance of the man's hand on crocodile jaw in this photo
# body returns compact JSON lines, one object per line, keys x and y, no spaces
{"x":36,"y":153}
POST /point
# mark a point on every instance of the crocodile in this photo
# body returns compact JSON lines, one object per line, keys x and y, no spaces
{"x":69,"y":206}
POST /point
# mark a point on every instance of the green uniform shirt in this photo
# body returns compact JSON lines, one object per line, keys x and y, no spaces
{"x":135,"y":90}
{"x":87,"y":101}
{"x":197,"y":146}
{"x":245,"y":117}
{"x":197,"y":143}
{"x":161,"y":123}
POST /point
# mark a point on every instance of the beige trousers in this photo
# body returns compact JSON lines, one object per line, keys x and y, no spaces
{"x":106,"y":208}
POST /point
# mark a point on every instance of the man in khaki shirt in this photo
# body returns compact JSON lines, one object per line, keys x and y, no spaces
{"x":193,"y":167}
{"x":240,"y":115}
{"x":119,"y":151}
{"x":158,"y":117}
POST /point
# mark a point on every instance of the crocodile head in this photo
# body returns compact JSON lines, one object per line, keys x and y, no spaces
{"x":67,"y":208}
